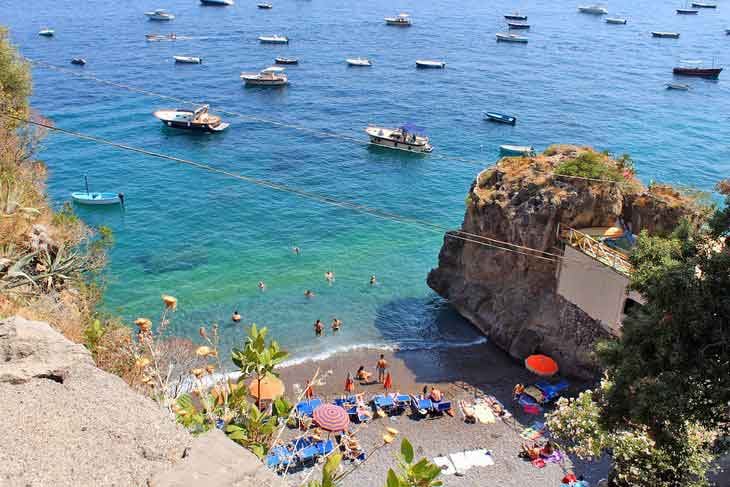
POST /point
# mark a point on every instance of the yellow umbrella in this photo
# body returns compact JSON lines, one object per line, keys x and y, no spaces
{"x":270,"y":387}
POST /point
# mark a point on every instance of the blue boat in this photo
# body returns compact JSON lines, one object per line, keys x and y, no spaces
{"x":96,"y":198}
{"x":500,"y":118}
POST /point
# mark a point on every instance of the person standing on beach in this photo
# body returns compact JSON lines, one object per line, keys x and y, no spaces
{"x":318,"y":328}
{"x":381,"y":366}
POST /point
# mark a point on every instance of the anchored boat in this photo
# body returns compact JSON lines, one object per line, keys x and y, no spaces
{"x":159,"y":14}
{"x":46,"y":32}
{"x":78,"y":61}
{"x":187,"y":59}
{"x":593,"y":10}
{"x":217,"y":3}
{"x":666,"y":35}
{"x":515,"y":16}
{"x":286,"y":60}
{"x":616,"y":20}
{"x":358,"y":61}
{"x":402,"y":138}
{"x":265,"y":6}
{"x":677,"y":86}
{"x":96,"y":198}
{"x":403,"y":20}
{"x":428,"y":64}
{"x":703,"y":5}
{"x":275,"y":39}
{"x":694,"y":68}
{"x":164,"y":37}
{"x":516,"y":150}
{"x":198,"y":119}
{"x":506,"y":37}
{"x":518,"y":25}
{"x":500,"y":118}
{"x":687,"y":11}
{"x":273,"y":76}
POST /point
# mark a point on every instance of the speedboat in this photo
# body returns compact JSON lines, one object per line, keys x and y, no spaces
{"x":703,"y":5}
{"x":616,"y":20}
{"x":694,"y":68}
{"x":95,"y":198}
{"x":666,"y":35}
{"x":187,"y":59}
{"x":518,"y":25}
{"x":46,"y":32}
{"x":78,"y":61}
{"x":516,"y":150}
{"x":404,"y":20}
{"x":358,"y":61}
{"x":273,"y":76}
{"x":677,"y":86}
{"x":500,"y":118}
{"x":687,"y":11}
{"x":198,"y":119}
{"x":593,"y":9}
{"x":162,"y":37}
{"x":286,"y":60}
{"x":401,"y":138}
{"x":265,"y":6}
{"x":217,"y":3}
{"x":515,"y":16}
{"x":506,"y":37}
{"x":275,"y":39}
{"x":428,"y":64}
{"x":159,"y":14}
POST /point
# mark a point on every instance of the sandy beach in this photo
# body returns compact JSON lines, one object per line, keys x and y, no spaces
{"x":461,"y":373}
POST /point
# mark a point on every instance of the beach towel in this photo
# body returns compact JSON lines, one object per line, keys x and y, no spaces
{"x":484,"y":413}
{"x":555,"y":457}
{"x":447,"y":468}
{"x":539,"y":463}
{"x":479,"y":458}
{"x":534,"y":431}
{"x":535,"y":393}
{"x":460,"y":461}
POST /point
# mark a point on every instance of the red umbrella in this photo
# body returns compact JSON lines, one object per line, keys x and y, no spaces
{"x":331,"y":418}
{"x":388,"y":382}
{"x":541,"y":365}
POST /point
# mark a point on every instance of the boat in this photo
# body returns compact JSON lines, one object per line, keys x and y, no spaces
{"x":265,"y":6}
{"x":188,"y":59}
{"x":198,"y":119}
{"x":516,"y":150}
{"x":286,"y":60}
{"x":358,"y":61}
{"x":518,"y":25}
{"x":78,"y":61}
{"x":506,"y":37}
{"x":428,"y":64}
{"x":217,"y":3}
{"x":275,"y":39}
{"x":500,"y":118}
{"x":593,"y":9}
{"x":687,"y":11}
{"x":616,"y":20}
{"x":703,"y":5}
{"x":677,"y":86}
{"x":666,"y":35}
{"x":402,"y":138}
{"x":46,"y":32}
{"x":727,"y":32}
{"x":96,"y":198}
{"x":515,"y":16}
{"x":403,"y":20}
{"x":694,"y":68}
{"x":273,"y":76}
{"x":162,"y":37}
{"x":159,"y":14}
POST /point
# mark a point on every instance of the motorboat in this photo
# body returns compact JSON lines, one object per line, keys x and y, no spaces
{"x":265,"y":6}
{"x":273,"y":76}
{"x":197,"y":120}
{"x":403,"y":20}
{"x":162,"y":37}
{"x":217,"y":3}
{"x":507,"y":37}
{"x":358,"y":61}
{"x":429,"y":64}
{"x":665,"y":35}
{"x":46,"y":32}
{"x":500,"y":118}
{"x":275,"y":39}
{"x":703,"y":5}
{"x":518,"y":25}
{"x":402,"y":138}
{"x":78,"y":61}
{"x":188,"y":59}
{"x":616,"y":20}
{"x":96,"y":198}
{"x":516,"y":16}
{"x":687,"y":11}
{"x":286,"y":60}
{"x":677,"y":86}
{"x":593,"y":9}
{"x":516,"y":150}
{"x":694,"y":68}
{"x":727,"y":32}
{"x":159,"y":14}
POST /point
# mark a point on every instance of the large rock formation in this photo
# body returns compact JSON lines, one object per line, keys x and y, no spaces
{"x":511,"y":296}
{"x":67,"y":423}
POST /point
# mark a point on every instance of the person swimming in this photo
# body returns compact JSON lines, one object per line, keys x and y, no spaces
{"x":373,"y":281}
{"x":297,"y":250}
{"x":235,"y":316}
{"x":262,"y":286}
{"x":336,"y":324}
{"x":308,"y":294}
{"x":318,"y":328}
{"x":329,"y":276}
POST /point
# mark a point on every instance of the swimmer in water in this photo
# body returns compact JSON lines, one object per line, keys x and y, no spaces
{"x":308,"y":294}
{"x":297,"y":250}
{"x":336,"y":324}
{"x":318,"y":328}
{"x":373,"y":281}
{"x":329,"y":276}
{"x":236,"y":317}
{"x":262,"y":286}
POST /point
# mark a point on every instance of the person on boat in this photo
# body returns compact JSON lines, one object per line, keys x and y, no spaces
{"x":363,"y":375}
{"x":336,"y":324}
{"x":436,"y":395}
{"x":373,"y":281}
{"x":235,"y":317}
{"x":318,"y":328}
{"x":262,"y":286}
{"x":381,"y":367}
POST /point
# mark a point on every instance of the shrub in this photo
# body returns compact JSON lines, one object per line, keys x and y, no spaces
{"x":592,"y":165}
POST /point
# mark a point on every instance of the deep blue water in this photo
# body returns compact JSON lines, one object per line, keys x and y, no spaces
{"x":208,"y":239}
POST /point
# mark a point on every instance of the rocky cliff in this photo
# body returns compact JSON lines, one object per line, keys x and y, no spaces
{"x":67,"y":423}
{"x":511,"y":296}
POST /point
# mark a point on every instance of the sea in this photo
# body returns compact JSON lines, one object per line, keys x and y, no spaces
{"x":208,"y":238}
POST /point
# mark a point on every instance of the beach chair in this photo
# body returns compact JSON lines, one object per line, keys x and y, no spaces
{"x":441,"y":406}
{"x":278,"y":458}
{"x":306,"y":408}
{"x":383,"y":402}
{"x":308,"y":454}
{"x":324,"y":447}
{"x":552,"y":391}
{"x":401,"y":401}
{"x":421,"y":407}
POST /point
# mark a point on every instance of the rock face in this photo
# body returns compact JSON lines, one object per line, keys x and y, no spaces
{"x":67,"y":423}
{"x":511,"y":296}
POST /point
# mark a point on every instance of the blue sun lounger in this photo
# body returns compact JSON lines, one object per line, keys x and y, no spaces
{"x":441,"y":406}
{"x":421,"y":407}
{"x":385,"y":403}
{"x":306,"y":408}
{"x":552,"y":391}
{"x":278,"y":457}
{"x":319,"y":449}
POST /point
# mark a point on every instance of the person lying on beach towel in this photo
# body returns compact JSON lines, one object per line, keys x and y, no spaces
{"x":529,"y":451}
{"x":363,"y":376}
{"x":468,"y":411}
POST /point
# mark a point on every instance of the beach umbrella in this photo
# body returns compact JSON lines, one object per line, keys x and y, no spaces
{"x":331,"y":418}
{"x":388,"y":382}
{"x":541,"y":365}
{"x":270,"y":387}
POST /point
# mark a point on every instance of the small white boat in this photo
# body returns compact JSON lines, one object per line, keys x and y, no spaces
{"x":401,"y":138}
{"x":677,"y":86}
{"x":217,"y":3}
{"x":518,"y":25}
{"x":403,"y":20}
{"x":515,"y":16}
{"x":687,"y":11}
{"x":196,"y":120}
{"x":358,"y":61}
{"x":286,"y":60}
{"x":507,"y":37}
{"x":187,"y":59}
{"x":78,"y":61}
{"x":265,"y":6}
{"x":273,"y":76}
{"x":428,"y":64}
{"x":275,"y":39}
{"x":616,"y":20}
{"x":703,"y":5}
{"x":666,"y":35}
{"x":46,"y":32}
{"x":164,"y":37}
{"x":159,"y":14}
{"x":593,"y":9}
{"x":516,"y":150}
{"x":94,"y":198}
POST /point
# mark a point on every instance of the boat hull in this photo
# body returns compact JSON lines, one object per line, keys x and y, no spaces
{"x":95,"y":198}
{"x":184,"y":60}
{"x":391,"y":144}
{"x":195,"y":127}
{"x":665,"y":35}
{"x":682,"y":11}
{"x":513,"y":150}
{"x":286,"y":61}
{"x":709,"y":73}
{"x":704,"y":5}
{"x":273,"y":41}
{"x":217,"y":3}
{"x":512,"y":39}
{"x":616,"y":21}
{"x":517,"y":26}
{"x":515,"y":17}
{"x":430,"y":65}
{"x":498,"y":118}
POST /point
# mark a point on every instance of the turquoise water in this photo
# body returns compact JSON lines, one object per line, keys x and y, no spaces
{"x":208,"y":239}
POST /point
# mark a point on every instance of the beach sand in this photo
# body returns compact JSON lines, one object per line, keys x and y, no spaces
{"x":460,"y":373}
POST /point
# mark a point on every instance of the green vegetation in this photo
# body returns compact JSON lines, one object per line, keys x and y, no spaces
{"x":419,"y":474}
{"x":256,"y":358}
{"x":592,"y":165}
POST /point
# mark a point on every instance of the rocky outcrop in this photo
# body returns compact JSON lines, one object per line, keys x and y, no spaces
{"x":511,"y":295}
{"x":67,"y":423}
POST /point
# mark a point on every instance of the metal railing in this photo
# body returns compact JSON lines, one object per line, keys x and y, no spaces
{"x":595,"y":249}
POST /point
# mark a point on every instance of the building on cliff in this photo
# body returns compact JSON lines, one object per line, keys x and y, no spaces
{"x":555,"y":289}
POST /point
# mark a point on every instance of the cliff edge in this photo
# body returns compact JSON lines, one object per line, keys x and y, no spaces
{"x":511,"y":295}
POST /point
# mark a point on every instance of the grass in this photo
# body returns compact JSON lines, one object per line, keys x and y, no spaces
{"x":591,"y":165}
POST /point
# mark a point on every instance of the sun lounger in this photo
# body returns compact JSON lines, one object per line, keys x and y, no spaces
{"x":278,"y":458}
{"x":441,"y":406}
{"x":421,"y":407}
{"x":535,"y":393}
{"x":306,"y":408}
{"x":324,"y":447}
{"x":385,"y":403}
{"x":446,"y":465}
{"x":552,"y":391}
{"x":308,"y":454}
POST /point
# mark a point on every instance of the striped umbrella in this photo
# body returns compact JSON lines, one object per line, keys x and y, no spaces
{"x":541,"y":365}
{"x":331,"y":418}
